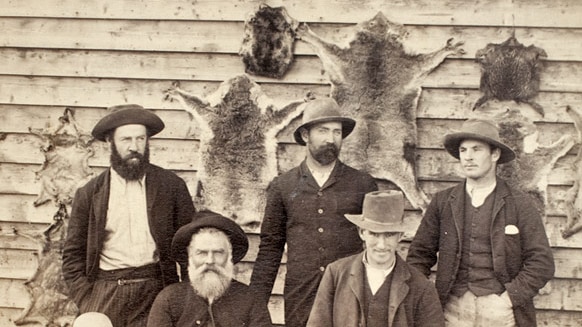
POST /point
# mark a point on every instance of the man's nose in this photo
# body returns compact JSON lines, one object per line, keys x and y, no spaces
{"x":210,"y":259}
{"x":133,"y":145}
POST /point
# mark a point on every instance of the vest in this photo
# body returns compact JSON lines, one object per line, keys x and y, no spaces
{"x":376,"y":305}
{"x":476,"y":268}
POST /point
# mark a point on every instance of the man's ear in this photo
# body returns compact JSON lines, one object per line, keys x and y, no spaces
{"x":496,"y":154}
{"x":304,"y":134}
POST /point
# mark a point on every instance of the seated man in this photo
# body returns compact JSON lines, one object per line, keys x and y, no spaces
{"x":376,"y":287}
{"x":210,"y":245}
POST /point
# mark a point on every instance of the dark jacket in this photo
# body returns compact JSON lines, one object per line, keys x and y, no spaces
{"x":522,"y":262}
{"x":340,"y":299}
{"x":169,"y":207}
{"x":310,"y":219}
{"x":179,"y":306}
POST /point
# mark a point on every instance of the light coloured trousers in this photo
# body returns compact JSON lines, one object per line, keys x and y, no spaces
{"x":478,"y":311}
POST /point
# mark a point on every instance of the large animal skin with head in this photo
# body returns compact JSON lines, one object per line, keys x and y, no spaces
{"x":378,"y":83}
{"x":238,"y":147}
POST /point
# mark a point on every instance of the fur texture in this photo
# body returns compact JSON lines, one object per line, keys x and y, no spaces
{"x":66,"y":151}
{"x":573,"y":199}
{"x":267,"y":48}
{"x":534,"y":161}
{"x":510,"y":71}
{"x":376,"y":82}
{"x":238,"y":146}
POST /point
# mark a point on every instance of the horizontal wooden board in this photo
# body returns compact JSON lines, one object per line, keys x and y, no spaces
{"x":102,"y":93}
{"x":227,"y":37}
{"x":561,"y":13}
{"x":561,"y":318}
{"x":557,"y":76}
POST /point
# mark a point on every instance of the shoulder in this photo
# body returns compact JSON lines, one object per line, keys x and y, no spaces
{"x":174,"y":291}
{"x":95,"y":183}
{"x":345,"y":263}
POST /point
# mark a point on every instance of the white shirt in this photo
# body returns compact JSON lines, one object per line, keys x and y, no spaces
{"x":128,"y":241}
{"x":320,"y":176}
{"x":376,"y":276}
{"x":479,"y":194}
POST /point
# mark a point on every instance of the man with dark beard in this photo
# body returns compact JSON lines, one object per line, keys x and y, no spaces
{"x":117,"y":256}
{"x":305,"y":209}
{"x":210,"y":245}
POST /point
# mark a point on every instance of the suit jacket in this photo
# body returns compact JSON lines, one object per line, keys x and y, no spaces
{"x":340,"y":299}
{"x":179,"y":306}
{"x":522,"y":262}
{"x":169,"y":207}
{"x":310,"y":220}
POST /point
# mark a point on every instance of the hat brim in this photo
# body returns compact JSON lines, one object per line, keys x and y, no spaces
{"x":453,"y":141}
{"x":348,"y":125}
{"x":131,"y":115}
{"x":183,"y":237}
{"x":374,"y":226}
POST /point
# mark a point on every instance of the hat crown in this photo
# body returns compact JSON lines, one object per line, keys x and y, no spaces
{"x":481,"y":127}
{"x":320,"y":109}
{"x":383,"y":207}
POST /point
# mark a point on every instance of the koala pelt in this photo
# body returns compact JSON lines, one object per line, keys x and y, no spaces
{"x":573,"y":198}
{"x":376,"y":82}
{"x":267,"y":47}
{"x":238,"y":146}
{"x":510,"y":71}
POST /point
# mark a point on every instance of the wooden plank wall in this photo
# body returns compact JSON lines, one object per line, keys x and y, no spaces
{"x":88,"y":55}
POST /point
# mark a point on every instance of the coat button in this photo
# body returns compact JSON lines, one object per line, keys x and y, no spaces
{"x":320,"y":230}
{"x":320,"y":210}
{"x":198,"y":322}
{"x":321,"y":268}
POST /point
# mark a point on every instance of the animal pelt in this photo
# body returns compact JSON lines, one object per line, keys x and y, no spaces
{"x":510,"y":71}
{"x":66,"y":150}
{"x":50,"y":304}
{"x":534,"y":161}
{"x":375,"y":81}
{"x":573,"y":199}
{"x":267,"y":48}
{"x":238,"y":147}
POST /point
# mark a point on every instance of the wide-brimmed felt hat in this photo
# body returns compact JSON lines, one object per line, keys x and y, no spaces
{"x":126,"y":114}
{"x":183,"y":237}
{"x":482,"y":130}
{"x":382,"y":211}
{"x":323,"y":110}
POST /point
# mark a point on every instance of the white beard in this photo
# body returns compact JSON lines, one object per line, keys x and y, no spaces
{"x":211,"y":282}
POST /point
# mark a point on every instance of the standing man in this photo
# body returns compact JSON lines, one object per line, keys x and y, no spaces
{"x":211,"y":245}
{"x":305,"y":209}
{"x":376,"y":287}
{"x":117,"y":252}
{"x":493,"y":252}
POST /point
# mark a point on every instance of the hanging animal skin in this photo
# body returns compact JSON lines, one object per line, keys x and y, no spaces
{"x":534,"y":162}
{"x":267,"y":48}
{"x":375,"y":81}
{"x":510,"y":71}
{"x":573,"y":199}
{"x":238,"y":146}
{"x":66,"y":151}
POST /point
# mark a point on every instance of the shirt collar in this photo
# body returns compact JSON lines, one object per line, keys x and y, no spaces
{"x":122,"y":181}
{"x":370,"y":269}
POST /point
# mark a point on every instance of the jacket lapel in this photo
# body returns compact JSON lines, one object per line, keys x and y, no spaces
{"x":456,"y":201}
{"x":398,"y":289}
{"x":101,"y":201}
{"x":356,"y":282}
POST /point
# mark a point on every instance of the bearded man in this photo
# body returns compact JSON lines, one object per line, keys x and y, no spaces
{"x":210,"y":245}
{"x":117,"y":254}
{"x":305,"y":209}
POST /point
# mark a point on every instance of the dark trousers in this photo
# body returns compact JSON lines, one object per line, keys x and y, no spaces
{"x":124,"y":296}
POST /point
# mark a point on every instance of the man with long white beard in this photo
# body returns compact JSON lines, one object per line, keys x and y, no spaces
{"x":210,"y":297}
{"x":305,"y":209}
{"x":117,"y":253}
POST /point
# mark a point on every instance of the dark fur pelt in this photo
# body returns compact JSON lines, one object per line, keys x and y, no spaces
{"x":510,"y":71}
{"x":238,"y":146}
{"x":377,"y":82}
{"x":267,"y":48}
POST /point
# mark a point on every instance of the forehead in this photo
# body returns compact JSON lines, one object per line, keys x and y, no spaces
{"x":130,"y":130}
{"x":471,"y":143}
{"x":328,"y":125}
{"x":206,"y":240}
